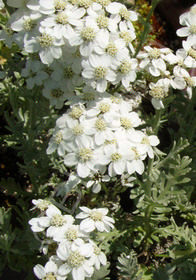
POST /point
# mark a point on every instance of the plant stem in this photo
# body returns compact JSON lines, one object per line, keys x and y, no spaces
{"x":146,"y":27}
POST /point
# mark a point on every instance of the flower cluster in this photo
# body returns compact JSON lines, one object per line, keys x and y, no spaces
{"x":102,"y":136}
{"x":74,"y":252}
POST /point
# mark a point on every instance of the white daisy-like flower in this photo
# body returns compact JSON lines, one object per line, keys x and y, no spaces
{"x":97,"y":179}
{"x":137,"y":154}
{"x":61,"y":23}
{"x":85,"y":159}
{"x":120,"y":12}
{"x":189,"y":30}
{"x":183,"y":80}
{"x":41,"y":204}
{"x":159,"y":91}
{"x":95,"y":219}
{"x":56,"y":93}
{"x":85,"y":37}
{"x":48,"y":46}
{"x":148,"y":141}
{"x":154,"y":60}
{"x":48,"y":272}
{"x":125,"y":70}
{"x":97,"y":70}
{"x":76,"y":259}
{"x":186,"y":56}
{"x":112,"y":46}
{"x":127,"y":35}
{"x":51,"y":6}
{"x":34,"y":73}
{"x":101,"y":20}
{"x":98,"y":258}
{"x":58,"y":143}
{"x":69,"y":234}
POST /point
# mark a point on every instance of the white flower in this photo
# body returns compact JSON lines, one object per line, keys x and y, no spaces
{"x":85,"y":36}
{"x":48,"y":46}
{"x":112,"y":46}
{"x":97,"y":70}
{"x":86,"y":159}
{"x":69,"y":234}
{"x":154,"y":60}
{"x":34,"y":73}
{"x":126,"y":70}
{"x":183,"y":80}
{"x":189,"y":30}
{"x":148,"y":141}
{"x":96,"y":179}
{"x":188,"y":55}
{"x":120,"y":13}
{"x":53,"y":221}
{"x":51,"y":6}
{"x":57,"y":93}
{"x":48,"y":272}
{"x":98,"y":258}
{"x":159,"y":91}
{"x":137,"y":155}
{"x":127,"y":35}
{"x":58,"y":142}
{"x":61,"y":22}
{"x":76,"y":259}
{"x":41,"y":204}
{"x":95,"y":219}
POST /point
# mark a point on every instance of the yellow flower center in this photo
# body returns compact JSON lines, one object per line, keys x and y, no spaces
{"x":56,"y":93}
{"x":190,"y":82}
{"x":154,"y":53}
{"x":96,"y":216}
{"x":102,"y":21}
{"x":68,"y":72}
{"x":192,"y":53}
{"x":124,"y":13}
{"x":60,"y":5}
{"x":103,"y":2}
{"x":125,"y":67}
{"x":126,"y":123}
{"x":96,"y":250}
{"x":76,"y":112}
{"x":193,"y":28}
{"x":71,"y":234}
{"x":88,"y":33}
{"x":78,"y":130}
{"x":50,"y":276}
{"x":85,"y":154}
{"x":145,"y":141}
{"x":158,"y":92}
{"x":75,"y":259}
{"x":104,"y":107}
{"x":57,"y":220}
{"x":45,"y":40}
{"x":100,"y":72}
{"x":100,"y":124}
{"x":62,"y":18}
{"x":58,"y":137}
{"x":28,"y":24}
{"x":116,"y":156}
{"x":84,"y":3}
{"x":43,"y":205}
{"x":111,"y":49}
{"x":126,"y":36}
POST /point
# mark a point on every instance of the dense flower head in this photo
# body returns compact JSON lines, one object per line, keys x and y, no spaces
{"x":75,"y":254}
{"x":94,"y":139}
